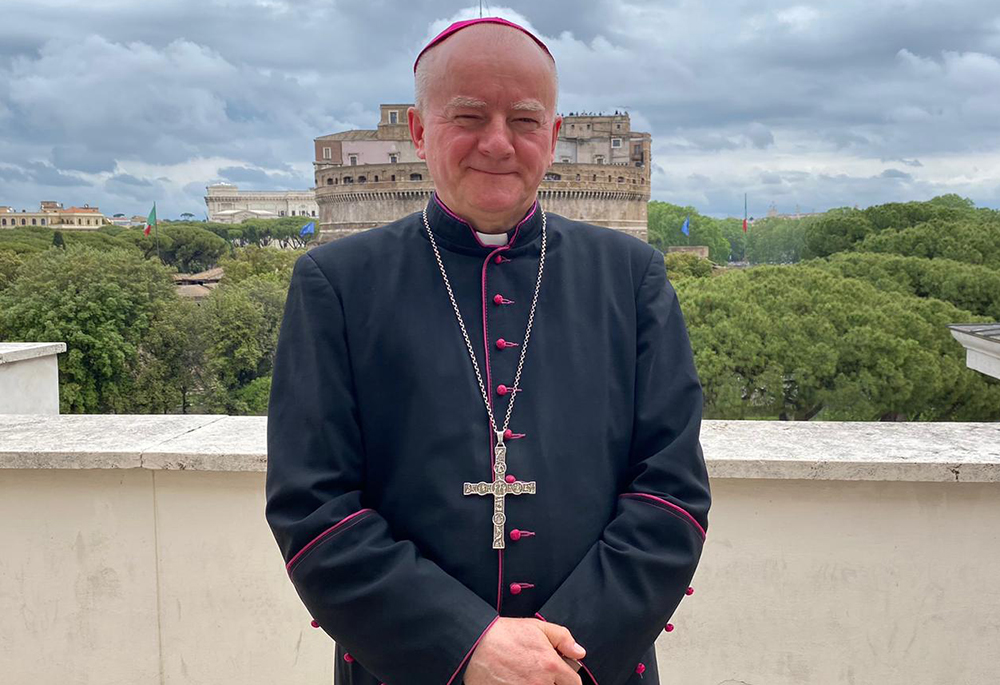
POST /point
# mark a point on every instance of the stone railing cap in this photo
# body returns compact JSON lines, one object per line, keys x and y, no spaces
{"x":19,"y":351}
{"x":811,"y":450}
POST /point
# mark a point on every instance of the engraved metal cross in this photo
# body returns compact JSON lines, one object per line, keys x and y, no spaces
{"x":499,"y":488}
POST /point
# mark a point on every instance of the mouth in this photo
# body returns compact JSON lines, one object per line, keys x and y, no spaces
{"x":495,"y":173}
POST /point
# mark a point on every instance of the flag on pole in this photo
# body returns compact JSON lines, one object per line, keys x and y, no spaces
{"x":686,"y":226}
{"x":150,"y":220}
{"x":744,"y":212}
{"x":308,"y":229}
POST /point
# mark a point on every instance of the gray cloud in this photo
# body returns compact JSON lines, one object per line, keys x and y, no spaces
{"x":796,"y":104}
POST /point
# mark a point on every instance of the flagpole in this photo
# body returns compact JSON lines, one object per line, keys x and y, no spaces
{"x":156,"y":228}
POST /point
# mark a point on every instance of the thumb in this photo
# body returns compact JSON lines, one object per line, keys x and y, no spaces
{"x":562,"y":640}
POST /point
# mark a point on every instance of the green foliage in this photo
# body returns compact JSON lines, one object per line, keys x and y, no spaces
{"x":686,"y":265}
{"x":974,"y":240}
{"x":664,"y":224}
{"x":192,"y":248}
{"x":266,"y":262}
{"x":100,"y":303}
{"x":28,"y":240}
{"x":835,"y":231}
{"x":10,"y":262}
{"x":970,"y":287}
{"x":777,"y":240}
{"x":873,"y":229}
{"x":57,"y":240}
{"x":240,"y":329}
{"x":799,"y":342}
{"x":282,"y":232}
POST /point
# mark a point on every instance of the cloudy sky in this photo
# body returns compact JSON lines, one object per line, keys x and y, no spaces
{"x":806,"y":105}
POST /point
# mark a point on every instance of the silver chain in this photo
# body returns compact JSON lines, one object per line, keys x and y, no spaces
{"x":465,"y":334}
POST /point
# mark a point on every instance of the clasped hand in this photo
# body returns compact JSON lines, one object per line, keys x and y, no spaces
{"x":525,"y":651}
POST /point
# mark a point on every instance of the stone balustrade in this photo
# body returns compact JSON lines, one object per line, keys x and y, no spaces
{"x":134,"y":549}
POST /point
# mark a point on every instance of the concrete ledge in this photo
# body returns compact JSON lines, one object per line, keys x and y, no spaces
{"x":19,"y":351}
{"x":814,"y":450}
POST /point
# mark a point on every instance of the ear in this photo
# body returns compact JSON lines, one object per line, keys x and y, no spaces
{"x":556,"y":125}
{"x":416,"y":131}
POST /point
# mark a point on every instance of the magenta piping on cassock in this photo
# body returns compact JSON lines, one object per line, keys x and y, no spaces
{"x":475,"y":235}
{"x":580,"y":661}
{"x":683,"y":512}
{"x":322,"y":536}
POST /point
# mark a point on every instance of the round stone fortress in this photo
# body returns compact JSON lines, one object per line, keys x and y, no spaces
{"x":368,"y":178}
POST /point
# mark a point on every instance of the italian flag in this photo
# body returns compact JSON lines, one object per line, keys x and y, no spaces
{"x":150,"y":221}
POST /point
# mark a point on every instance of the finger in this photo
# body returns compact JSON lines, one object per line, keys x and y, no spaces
{"x":560,"y":638}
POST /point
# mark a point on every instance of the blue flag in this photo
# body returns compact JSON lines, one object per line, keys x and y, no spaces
{"x":686,"y":226}
{"x":308,"y":229}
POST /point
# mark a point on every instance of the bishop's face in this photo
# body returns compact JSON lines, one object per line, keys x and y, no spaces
{"x":489,"y":131}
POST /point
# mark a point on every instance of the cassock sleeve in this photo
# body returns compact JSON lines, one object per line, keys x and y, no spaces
{"x":396,"y":612}
{"x":620,"y":596}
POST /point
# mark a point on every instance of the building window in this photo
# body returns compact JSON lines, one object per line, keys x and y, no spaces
{"x":362,"y":179}
{"x":393,"y":117}
{"x":578,"y":177}
{"x":348,"y":179}
{"x":281,"y":213}
{"x":314,"y":212}
{"x":595,"y":177}
{"x":618,"y":126}
{"x":565,"y":160}
{"x":393,"y":158}
{"x":552,"y":177}
{"x":4,"y":222}
{"x":637,"y":148}
{"x":621,"y":179}
{"x":293,"y":212}
{"x":588,"y":127}
{"x":393,"y":177}
{"x":616,"y":142}
{"x":329,"y":181}
{"x":327,"y":153}
{"x":34,"y":222}
{"x":376,"y":178}
{"x":24,"y":222}
{"x":416,"y":177}
{"x":354,"y":160}
{"x":599,"y":159}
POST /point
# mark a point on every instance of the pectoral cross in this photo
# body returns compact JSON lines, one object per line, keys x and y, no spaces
{"x":499,"y":488}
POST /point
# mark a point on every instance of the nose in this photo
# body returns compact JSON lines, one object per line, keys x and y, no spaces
{"x":495,"y":140}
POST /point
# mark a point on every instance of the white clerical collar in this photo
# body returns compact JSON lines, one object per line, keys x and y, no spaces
{"x":492,"y":238}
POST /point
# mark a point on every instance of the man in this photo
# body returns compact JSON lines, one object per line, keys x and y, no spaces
{"x":483,"y":434}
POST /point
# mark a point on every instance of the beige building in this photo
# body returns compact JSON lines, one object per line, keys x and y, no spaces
{"x":228,"y":204}
{"x":52,"y":215}
{"x":366,"y":178}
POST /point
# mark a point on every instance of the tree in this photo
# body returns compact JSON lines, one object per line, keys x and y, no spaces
{"x":241,"y":333}
{"x":664,"y":230}
{"x":686,"y":265}
{"x":57,"y":240}
{"x":10,"y":263}
{"x":799,"y":342}
{"x":101,"y":303}
{"x":266,"y":262}
{"x":974,"y":241}
{"x":971,"y":287}
{"x":187,"y":216}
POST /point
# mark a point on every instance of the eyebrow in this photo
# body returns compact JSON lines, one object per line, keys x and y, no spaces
{"x":528,"y":106}
{"x":461,"y":101}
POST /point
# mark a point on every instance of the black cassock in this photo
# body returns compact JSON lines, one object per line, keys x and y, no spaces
{"x":376,"y":420}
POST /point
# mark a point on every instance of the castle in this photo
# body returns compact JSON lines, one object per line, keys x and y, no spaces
{"x":366,"y":178}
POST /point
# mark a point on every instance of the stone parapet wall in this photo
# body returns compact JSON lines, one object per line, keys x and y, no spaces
{"x":137,"y":552}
